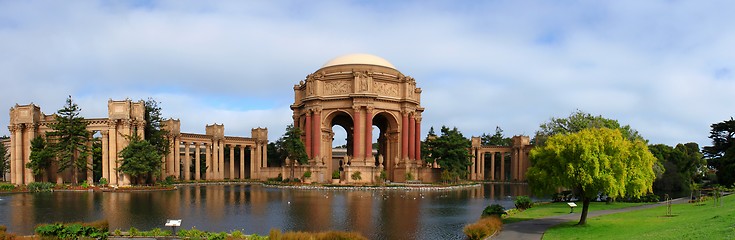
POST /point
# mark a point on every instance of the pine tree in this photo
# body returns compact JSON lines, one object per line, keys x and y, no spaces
{"x":292,"y":147}
{"x":68,"y":138}
{"x":41,"y":157}
{"x":450,"y":151}
{"x":139,"y":159}
{"x":4,"y":161}
{"x":154,"y":132}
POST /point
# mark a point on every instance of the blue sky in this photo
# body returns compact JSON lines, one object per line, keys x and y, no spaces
{"x":664,"y":67}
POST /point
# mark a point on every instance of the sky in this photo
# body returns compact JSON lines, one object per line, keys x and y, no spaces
{"x":666,"y":68}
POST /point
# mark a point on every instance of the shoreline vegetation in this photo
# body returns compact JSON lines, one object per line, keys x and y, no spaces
{"x":100,"y":230}
{"x":163,"y":186}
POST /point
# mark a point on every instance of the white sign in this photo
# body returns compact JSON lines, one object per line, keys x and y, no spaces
{"x":571,"y":204}
{"x":173,"y":222}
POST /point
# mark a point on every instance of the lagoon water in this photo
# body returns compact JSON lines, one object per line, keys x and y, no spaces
{"x":254,"y":208}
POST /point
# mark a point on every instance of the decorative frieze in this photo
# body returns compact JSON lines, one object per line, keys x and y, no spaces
{"x":337,"y":87}
{"x":386,"y":89}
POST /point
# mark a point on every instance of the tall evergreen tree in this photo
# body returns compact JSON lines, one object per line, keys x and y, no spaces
{"x":721,"y":155}
{"x":290,"y":146}
{"x":4,"y":161}
{"x":68,"y":138}
{"x":139,"y":159}
{"x":497,"y":139}
{"x":427,"y":145}
{"x":41,"y":157}
{"x":450,"y":151}
{"x":155,"y":133}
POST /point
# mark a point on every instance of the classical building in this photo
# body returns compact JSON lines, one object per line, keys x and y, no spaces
{"x":357,"y":92}
{"x":126,"y":118}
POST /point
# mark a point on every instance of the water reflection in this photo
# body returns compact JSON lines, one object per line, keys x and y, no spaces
{"x":255,"y":209}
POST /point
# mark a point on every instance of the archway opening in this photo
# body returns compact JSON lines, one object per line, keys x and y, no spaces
{"x":341,"y":140}
{"x":385,"y":137}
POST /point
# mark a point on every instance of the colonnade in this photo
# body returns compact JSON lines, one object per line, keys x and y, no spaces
{"x":411,"y":136}
{"x":216,"y":167}
{"x":517,"y":154}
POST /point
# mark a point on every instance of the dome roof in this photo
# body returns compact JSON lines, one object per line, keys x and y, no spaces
{"x":359,"y":58}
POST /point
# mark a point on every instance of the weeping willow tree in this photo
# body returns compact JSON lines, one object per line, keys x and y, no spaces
{"x":590,"y":162}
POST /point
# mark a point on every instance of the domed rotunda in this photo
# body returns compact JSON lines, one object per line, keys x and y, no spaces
{"x":357,"y":92}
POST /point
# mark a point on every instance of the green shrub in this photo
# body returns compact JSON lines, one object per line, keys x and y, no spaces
{"x":237,"y":234}
{"x":40,"y":186}
{"x":103,"y":181}
{"x":97,"y":230}
{"x":307,"y":174}
{"x":493,"y":210}
{"x":48,"y":230}
{"x":117,"y":232}
{"x":133,"y":232}
{"x":335,"y":174}
{"x":192,"y":233}
{"x":216,"y":236}
{"x":85,"y":184}
{"x":169,"y":180}
{"x":6,"y":187}
{"x":156,"y":232}
{"x":356,"y":176}
{"x":523,"y":202}
{"x":383,"y":176}
{"x":409,"y":176}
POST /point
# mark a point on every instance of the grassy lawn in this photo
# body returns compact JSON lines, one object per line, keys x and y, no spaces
{"x":561,"y":208}
{"x":689,"y":222}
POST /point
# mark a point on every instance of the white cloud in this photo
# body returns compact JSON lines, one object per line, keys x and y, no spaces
{"x":661,"y":66}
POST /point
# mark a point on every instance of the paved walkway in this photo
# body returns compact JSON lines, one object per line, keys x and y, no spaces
{"x":534,"y":229}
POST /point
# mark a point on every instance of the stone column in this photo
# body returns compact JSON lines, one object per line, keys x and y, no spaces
{"x":369,"y":136}
{"x":90,"y":179}
{"x":356,"y":141}
{"x":317,"y":136}
{"x":404,"y":136}
{"x":208,"y":161}
{"x":473,"y":167}
{"x":105,"y":156}
{"x":265,"y":152}
{"x":252,"y":162}
{"x":411,"y":138}
{"x":221,"y":160}
{"x":187,"y":162}
{"x":242,"y":162}
{"x":308,"y":137}
{"x":113,"y":153}
{"x":232,"y":162}
{"x":197,"y":161}
{"x":16,"y":154}
{"x":177,"y":157}
{"x":482,"y":166}
{"x":30,"y":134}
{"x":502,"y":166}
{"x":492,"y":166}
{"x":418,"y":139}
